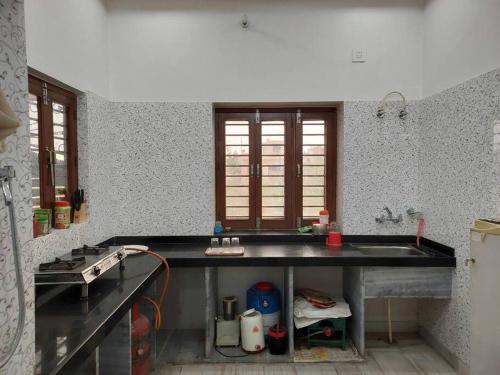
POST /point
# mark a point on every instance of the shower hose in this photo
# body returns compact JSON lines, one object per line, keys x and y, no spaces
{"x":7,"y":175}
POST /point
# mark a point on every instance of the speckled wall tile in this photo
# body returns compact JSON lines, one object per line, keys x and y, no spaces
{"x":164,"y":168}
{"x":380,"y":167}
{"x":101,"y":171}
{"x":14,"y":84}
{"x":496,"y":148}
{"x":95,"y":170}
{"x":456,"y":184}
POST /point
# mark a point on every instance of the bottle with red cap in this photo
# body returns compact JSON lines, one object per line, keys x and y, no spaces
{"x":324,"y":217}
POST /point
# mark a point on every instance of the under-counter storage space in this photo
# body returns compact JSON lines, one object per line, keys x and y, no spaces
{"x":236,"y":281}
{"x":192,"y":315}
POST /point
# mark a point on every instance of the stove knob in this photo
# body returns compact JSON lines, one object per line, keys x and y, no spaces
{"x":96,"y":270}
{"x":119,"y":256}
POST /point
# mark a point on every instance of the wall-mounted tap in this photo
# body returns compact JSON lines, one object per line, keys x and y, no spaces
{"x":413,"y":213}
{"x":389,"y":217}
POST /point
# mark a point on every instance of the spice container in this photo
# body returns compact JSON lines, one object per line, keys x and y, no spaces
{"x":42,"y":219}
{"x":62,"y":214}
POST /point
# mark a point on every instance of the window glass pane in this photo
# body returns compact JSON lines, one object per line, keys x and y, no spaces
{"x":313,"y":140}
{"x":273,"y":201}
{"x":313,"y":150}
{"x":236,"y":181}
{"x":273,"y":169}
{"x":270,"y":191}
{"x":237,"y":169}
{"x":313,"y":168}
{"x":234,"y":191}
{"x":313,"y":201}
{"x":34,"y":150}
{"x":236,"y":150}
{"x":237,"y":213}
{"x":273,"y":181}
{"x":273,"y":150}
{"x":236,"y":129}
{"x":311,"y":212}
{"x":272,"y":129}
{"x":313,"y":160}
{"x":237,"y":201}
{"x":273,"y":212}
{"x":273,"y":160}
{"x":236,"y":139}
{"x":236,"y":160}
{"x":313,"y":181}
{"x":59,"y":126}
{"x":269,"y":140}
{"x":313,"y":191}
{"x":313,"y":127}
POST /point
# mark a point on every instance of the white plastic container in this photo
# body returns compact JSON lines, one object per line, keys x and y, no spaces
{"x":324,"y":217}
{"x":252,"y":331}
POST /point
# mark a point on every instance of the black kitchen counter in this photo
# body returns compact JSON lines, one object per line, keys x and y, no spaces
{"x":286,"y":249}
{"x":68,"y":330}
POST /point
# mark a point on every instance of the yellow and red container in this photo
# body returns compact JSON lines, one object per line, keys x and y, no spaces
{"x":62,"y":215}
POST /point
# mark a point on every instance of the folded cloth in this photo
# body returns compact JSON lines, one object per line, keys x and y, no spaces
{"x":317,"y":298}
{"x":305,"y":314}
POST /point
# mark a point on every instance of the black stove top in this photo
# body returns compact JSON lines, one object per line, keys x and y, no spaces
{"x":89,"y":250}
{"x":62,"y":264}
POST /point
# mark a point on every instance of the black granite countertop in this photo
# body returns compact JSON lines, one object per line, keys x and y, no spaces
{"x":286,"y":249}
{"x":63,"y":320}
{"x":68,"y":330}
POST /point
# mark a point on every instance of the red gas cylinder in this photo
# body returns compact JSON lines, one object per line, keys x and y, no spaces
{"x":141,"y":349}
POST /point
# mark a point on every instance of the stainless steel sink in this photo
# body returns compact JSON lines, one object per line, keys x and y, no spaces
{"x":388,"y":250}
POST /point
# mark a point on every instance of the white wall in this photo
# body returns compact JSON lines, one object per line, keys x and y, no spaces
{"x":461,"y":41}
{"x":184,"y":50}
{"x":66,"y":39}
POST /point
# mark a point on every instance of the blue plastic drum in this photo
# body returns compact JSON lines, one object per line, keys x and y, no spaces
{"x":266,"y":299}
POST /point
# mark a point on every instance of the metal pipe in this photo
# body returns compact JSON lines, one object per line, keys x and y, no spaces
{"x":381,"y":107}
{"x":389,"y":320}
{"x":6,"y":175}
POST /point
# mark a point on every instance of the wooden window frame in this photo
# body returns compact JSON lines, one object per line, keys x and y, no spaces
{"x":293,"y":181}
{"x":220,"y":162}
{"x":46,"y":137}
{"x":330,"y":161}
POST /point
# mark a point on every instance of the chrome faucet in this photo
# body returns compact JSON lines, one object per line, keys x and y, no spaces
{"x":389,"y":217}
{"x":413,"y":213}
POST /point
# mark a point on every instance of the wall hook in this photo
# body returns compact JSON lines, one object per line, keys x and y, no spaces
{"x":245,"y":23}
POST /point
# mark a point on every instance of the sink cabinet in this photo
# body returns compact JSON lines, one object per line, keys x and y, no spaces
{"x":406,"y":282}
{"x":361,"y":283}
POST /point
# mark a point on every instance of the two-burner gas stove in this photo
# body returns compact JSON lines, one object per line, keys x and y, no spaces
{"x":84,"y":265}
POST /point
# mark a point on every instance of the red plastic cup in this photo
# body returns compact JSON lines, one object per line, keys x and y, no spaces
{"x":334,"y":239}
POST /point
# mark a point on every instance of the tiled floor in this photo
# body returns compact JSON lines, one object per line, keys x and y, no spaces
{"x":410,"y":355}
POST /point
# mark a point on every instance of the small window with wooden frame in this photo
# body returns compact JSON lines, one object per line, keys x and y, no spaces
{"x":53,"y":143}
{"x":275,"y":168}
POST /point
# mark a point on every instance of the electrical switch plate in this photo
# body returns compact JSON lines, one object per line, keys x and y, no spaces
{"x":358,"y":55}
